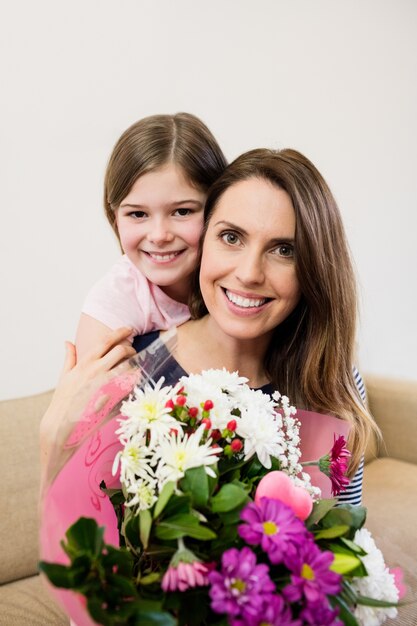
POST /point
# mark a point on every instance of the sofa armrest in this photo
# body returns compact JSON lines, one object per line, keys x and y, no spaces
{"x":20,"y":474}
{"x":393,"y":403}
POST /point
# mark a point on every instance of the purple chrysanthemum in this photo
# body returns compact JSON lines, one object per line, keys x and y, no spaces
{"x":311,"y":577}
{"x":242,"y":587}
{"x":274,"y":613}
{"x":320,"y":615}
{"x":273,"y":525}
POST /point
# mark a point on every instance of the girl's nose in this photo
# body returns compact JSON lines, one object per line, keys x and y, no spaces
{"x":159,"y":232}
{"x":250,"y":270}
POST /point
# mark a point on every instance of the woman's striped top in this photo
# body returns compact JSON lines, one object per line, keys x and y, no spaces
{"x":353,"y":492}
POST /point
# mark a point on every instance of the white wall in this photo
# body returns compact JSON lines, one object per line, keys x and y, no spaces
{"x":336,"y":80}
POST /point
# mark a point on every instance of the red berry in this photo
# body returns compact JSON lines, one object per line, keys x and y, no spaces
{"x":208,"y":405}
{"x":236,"y":445}
{"x":207,"y":423}
{"x":173,"y":431}
{"x":232,"y":425}
{"x":181,"y":400}
{"x":169,"y":404}
{"x":193,"y":411}
{"x":216,"y":435}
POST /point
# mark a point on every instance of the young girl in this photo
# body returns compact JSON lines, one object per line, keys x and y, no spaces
{"x":154,"y":194}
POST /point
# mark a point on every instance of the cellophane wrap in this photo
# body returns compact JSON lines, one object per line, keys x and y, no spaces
{"x":82,"y":454}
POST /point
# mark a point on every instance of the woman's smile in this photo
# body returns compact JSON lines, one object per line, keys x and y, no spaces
{"x":248,"y":278}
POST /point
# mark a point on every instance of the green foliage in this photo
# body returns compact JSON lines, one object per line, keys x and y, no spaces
{"x":229,"y":497}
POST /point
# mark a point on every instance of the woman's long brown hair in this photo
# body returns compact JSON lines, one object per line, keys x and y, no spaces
{"x":311,"y":354}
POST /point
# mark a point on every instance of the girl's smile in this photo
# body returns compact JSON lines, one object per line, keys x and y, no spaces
{"x":159,"y":225}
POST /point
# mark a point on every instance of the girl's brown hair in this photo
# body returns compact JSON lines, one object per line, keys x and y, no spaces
{"x":151,"y":143}
{"x":311,"y":354}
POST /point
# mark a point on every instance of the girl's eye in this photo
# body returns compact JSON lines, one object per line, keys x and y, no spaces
{"x":137,"y":214}
{"x":183,"y":212}
{"x":285,"y":250}
{"x":230,"y":238}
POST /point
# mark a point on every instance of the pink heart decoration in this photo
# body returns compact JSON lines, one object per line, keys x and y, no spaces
{"x":279,"y":486}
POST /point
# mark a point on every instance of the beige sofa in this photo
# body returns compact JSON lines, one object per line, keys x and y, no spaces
{"x":390,"y":493}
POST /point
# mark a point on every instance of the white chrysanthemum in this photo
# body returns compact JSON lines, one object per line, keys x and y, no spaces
{"x":217,"y":379}
{"x":135,"y":461}
{"x":217,"y":386}
{"x":178,"y":453}
{"x":144,"y":494}
{"x":379,"y":584}
{"x":255,"y":401}
{"x":146,"y":411}
{"x":261,"y":436}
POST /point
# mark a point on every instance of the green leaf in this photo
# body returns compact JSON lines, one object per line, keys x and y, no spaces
{"x":176,"y":505}
{"x":130,"y":528}
{"x":320,"y":509}
{"x":353,"y":516}
{"x":195,"y":482}
{"x":353,"y":546}
{"x":151,"y":578}
{"x":344,"y":563}
{"x":331,"y":533}
{"x":145,"y":526}
{"x":86,"y":536}
{"x":345,"y":614}
{"x":181,"y":526}
{"x":59,"y":575}
{"x":122,"y":585}
{"x":360,"y":570}
{"x":228,"y":498}
{"x":164,"y":496}
{"x":365,"y":601}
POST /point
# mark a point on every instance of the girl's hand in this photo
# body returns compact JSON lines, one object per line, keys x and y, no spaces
{"x":76,"y":376}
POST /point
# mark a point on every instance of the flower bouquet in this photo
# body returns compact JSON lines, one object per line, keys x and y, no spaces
{"x":211,"y":517}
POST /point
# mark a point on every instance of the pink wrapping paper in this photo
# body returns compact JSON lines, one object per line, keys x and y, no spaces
{"x":317,"y":433}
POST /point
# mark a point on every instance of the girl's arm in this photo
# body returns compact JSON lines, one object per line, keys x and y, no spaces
{"x":92,"y":333}
{"x":77,"y":373}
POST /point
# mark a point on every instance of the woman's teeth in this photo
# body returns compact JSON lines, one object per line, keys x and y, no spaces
{"x":244,"y":302}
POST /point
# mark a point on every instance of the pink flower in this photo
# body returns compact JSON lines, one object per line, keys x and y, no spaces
{"x":279,"y":486}
{"x":335,"y":465}
{"x":398,"y":580}
{"x":185,"y":575}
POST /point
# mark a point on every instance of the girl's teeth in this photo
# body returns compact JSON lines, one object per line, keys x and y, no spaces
{"x":244,"y":302}
{"x":163,"y":257}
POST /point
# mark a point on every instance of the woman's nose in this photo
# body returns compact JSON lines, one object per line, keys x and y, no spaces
{"x":250,"y":270}
{"x":159,"y":232}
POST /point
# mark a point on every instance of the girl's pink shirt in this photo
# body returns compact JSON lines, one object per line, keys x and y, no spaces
{"x":124,"y":297}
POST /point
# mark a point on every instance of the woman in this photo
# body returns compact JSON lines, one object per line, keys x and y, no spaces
{"x":274,"y":298}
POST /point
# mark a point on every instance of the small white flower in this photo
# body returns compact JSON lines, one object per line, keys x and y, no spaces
{"x":178,"y":453}
{"x":379,"y":584}
{"x":146,"y":411}
{"x":135,"y":461}
{"x":144,"y":494}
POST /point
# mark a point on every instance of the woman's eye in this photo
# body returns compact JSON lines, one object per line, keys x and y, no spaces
{"x":285,"y":250}
{"x":183,"y":212}
{"x":230,"y":238}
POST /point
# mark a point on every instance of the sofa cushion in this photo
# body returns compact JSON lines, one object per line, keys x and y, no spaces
{"x":26,"y":601}
{"x":19,"y":436}
{"x":390,"y":494}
